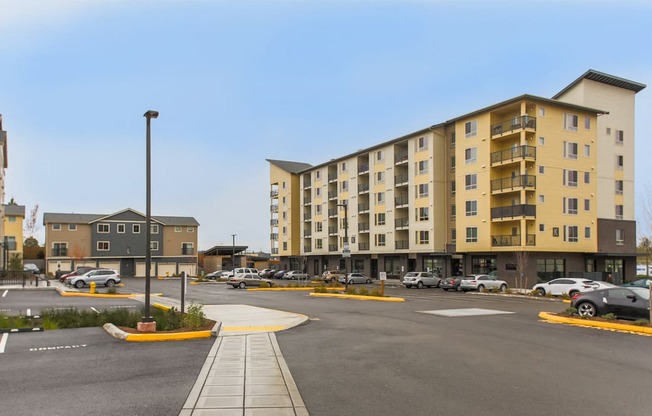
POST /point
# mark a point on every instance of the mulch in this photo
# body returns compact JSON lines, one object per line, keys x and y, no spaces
{"x":209,"y":326}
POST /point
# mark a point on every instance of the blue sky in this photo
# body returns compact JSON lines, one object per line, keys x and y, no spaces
{"x":237,"y":82}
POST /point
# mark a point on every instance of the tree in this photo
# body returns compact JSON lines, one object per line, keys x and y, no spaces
{"x":31,"y":223}
{"x":31,"y":242}
{"x":521,"y":257}
{"x":77,"y":254}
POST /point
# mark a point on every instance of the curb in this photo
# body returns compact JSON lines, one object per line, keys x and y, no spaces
{"x":118,"y":333}
{"x":547,"y":316}
{"x":278,"y":289}
{"x":357,"y":297}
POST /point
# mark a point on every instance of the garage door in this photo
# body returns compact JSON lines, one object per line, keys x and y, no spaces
{"x":140,"y":269}
{"x":53,"y":266}
{"x":114,"y":265}
{"x":189,"y":268}
{"x":79,"y":264}
{"x":165,"y":269}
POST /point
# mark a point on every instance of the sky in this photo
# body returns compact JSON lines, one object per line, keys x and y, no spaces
{"x":239,"y":82}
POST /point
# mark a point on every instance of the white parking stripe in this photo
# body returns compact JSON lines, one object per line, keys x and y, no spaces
{"x":5,"y":293}
{"x":29,"y":312}
{"x":95,"y":309}
{"x":3,"y":342}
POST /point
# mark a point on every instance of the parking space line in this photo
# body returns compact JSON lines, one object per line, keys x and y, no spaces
{"x":93,"y":308}
{"x":5,"y":293}
{"x":3,"y":342}
{"x":29,"y":312}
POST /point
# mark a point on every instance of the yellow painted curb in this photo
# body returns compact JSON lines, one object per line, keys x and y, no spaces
{"x":357,"y":297}
{"x":566,"y":300}
{"x":167,"y":337}
{"x":253,"y":328}
{"x":595,"y":324}
{"x":272,"y":289}
{"x":163,"y":307}
{"x":95,"y":295}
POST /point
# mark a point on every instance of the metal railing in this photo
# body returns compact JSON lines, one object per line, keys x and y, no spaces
{"x":275,"y":250}
{"x":402,"y":244}
{"x":273,"y":208}
{"x":518,"y":181}
{"x":332,"y":212}
{"x":363,"y":187}
{"x":363,"y":246}
{"x":514,"y":153}
{"x":332,"y":230}
{"x":273,"y":222}
{"x":273,"y":194}
{"x":332,"y":177}
{"x":512,"y":240}
{"x":400,"y":179}
{"x":511,"y":211}
{"x":307,"y":233}
{"x":307,"y":217}
{"x":332,"y":194}
{"x":332,"y":247}
{"x":401,"y":200}
{"x":363,"y":207}
{"x":307,"y":249}
{"x":401,"y":222}
{"x":363,"y":168}
{"x":514,"y":123}
{"x":273,"y":236}
{"x":363,"y":227}
{"x":400,"y":157}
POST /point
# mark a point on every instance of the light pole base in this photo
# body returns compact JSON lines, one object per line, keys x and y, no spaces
{"x":146,"y":326}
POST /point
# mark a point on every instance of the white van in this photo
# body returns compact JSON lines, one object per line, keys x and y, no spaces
{"x":242,"y":272}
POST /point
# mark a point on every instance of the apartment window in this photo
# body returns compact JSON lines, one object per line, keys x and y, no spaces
{"x":542,"y":141}
{"x":59,"y":249}
{"x":620,"y":237}
{"x":380,"y":156}
{"x":453,"y":235}
{"x":471,"y":208}
{"x":422,"y":143}
{"x":190,"y":229}
{"x":587,"y":150}
{"x":471,"y":234}
{"x":380,"y":218}
{"x":318,"y":244}
{"x":542,"y":112}
{"x":471,"y":181}
{"x":285,"y":245}
{"x":608,"y":130}
{"x":421,"y":190}
{"x":71,"y":227}
{"x":619,"y":187}
{"x":571,"y":233}
{"x":283,"y":200}
{"x":570,"y":206}
{"x":318,"y":209}
{"x":542,"y":170}
{"x":284,"y":215}
{"x":620,"y":138}
{"x":587,"y":177}
{"x":542,"y":227}
{"x":453,"y":211}
{"x":319,"y":227}
{"x":570,"y":122}
{"x":154,"y":229}
{"x":380,"y":240}
{"x":587,"y":205}
{"x":317,"y":175}
{"x":619,"y":212}
{"x":102,"y":228}
{"x":570,"y":150}
{"x":542,"y":199}
{"x":285,"y":230}
{"x":453,"y":140}
{"x":587,"y":232}
{"x":317,"y":191}
{"x":423,"y":237}
{"x":470,"y":155}
{"x":343,"y":166}
{"x":587,"y":123}
{"x":122,"y":228}
{"x":422,"y":167}
{"x":471,"y":128}
{"x":380,"y":198}
{"x":177,"y":228}
{"x":283,"y":185}
{"x":103,"y":246}
{"x":453,"y":188}
{"x":452,"y":163}
{"x":187,"y":248}
{"x":56,"y":227}
{"x":620,"y":162}
{"x":422,"y":214}
{"x":344,"y":186}
{"x":135,"y":228}
{"x":570,"y":177}
{"x":380,"y":177}
{"x":12,"y":218}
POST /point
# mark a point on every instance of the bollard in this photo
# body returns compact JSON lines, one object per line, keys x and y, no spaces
{"x":93,"y":284}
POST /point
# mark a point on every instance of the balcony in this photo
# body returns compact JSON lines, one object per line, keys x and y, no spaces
{"x":332,"y":247}
{"x":401,"y":180}
{"x":332,"y":177}
{"x":363,"y":188}
{"x":307,"y":201}
{"x":332,"y":230}
{"x":273,"y":222}
{"x":307,"y":185}
{"x":307,"y":217}
{"x":362,"y":169}
{"x":363,"y":208}
{"x":273,"y":208}
{"x":401,"y":201}
{"x":275,"y":250}
{"x":512,"y":240}
{"x":400,"y":158}
{"x":513,"y":211}
{"x":402,"y":244}
{"x":332,"y":195}
{"x":274,"y":193}
{"x":514,"y":154}
{"x":187,"y":251}
{"x":307,"y":233}
{"x":363,"y":227}
{"x":307,"y":249}
{"x":363,"y":246}
{"x":513,"y":125}
{"x":515,"y":183}
{"x":332,"y":212}
{"x":400,"y":223}
{"x":273,"y":236}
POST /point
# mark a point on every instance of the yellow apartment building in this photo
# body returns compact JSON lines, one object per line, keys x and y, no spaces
{"x":13,"y":218}
{"x":551,"y":180}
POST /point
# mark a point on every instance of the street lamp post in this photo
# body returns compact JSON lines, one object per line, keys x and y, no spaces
{"x":233,"y":251}
{"x":148,"y":324}
{"x":346,"y":252}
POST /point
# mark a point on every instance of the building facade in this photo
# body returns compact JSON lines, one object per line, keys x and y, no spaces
{"x":533,"y":185}
{"x":117,"y":241}
{"x":14,"y":216}
{"x":3,"y":166}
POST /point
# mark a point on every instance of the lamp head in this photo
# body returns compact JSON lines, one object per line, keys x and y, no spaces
{"x":151,"y":114}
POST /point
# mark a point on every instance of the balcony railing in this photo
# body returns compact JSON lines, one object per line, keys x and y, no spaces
{"x":273,"y":222}
{"x":515,"y":153}
{"x":307,"y":217}
{"x":273,"y":208}
{"x":514,"y":123}
{"x":332,"y":177}
{"x":275,"y":250}
{"x":332,"y":247}
{"x":187,"y":251}
{"x":332,"y":194}
{"x":363,"y":208}
{"x":363,"y":227}
{"x":307,"y":233}
{"x":307,"y":249}
{"x":400,"y":180}
{"x":363,"y":246}
{"x":512,"y":240}
{"x":402,"y":244}
{"x":516,"y":182}
{"x":307,"y":185}
{"x":307,"y":201}
{"x":273,"y":194}
{"x":273,"y":236}
{"x":401,"y":222}
{"x":332,"y":212}
{"x":332,"y":230}
{"x":363,"y":168}
{"x":511,"y":211}
{"x":363,"y":187}
{"x":400,"y":157}
{"x":401,"y":201}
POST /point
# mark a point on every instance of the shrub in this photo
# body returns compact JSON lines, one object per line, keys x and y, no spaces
{"x":375,"y":292}
{"x":350,"y":290}
{"x":264,"y":285}
{"x":363,"y":291}
{"x":321,"y":289}
{"x":194,"y":318}
{"x":641,"y":322}
{"x":609,"y":316}
{"x":564,"y":296}
{"x":570,"y":311}
{"x":112,"y":290}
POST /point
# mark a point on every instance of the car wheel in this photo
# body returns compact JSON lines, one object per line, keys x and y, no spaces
{"x":480,"y":288}
{"x":368,"y":281}
{"x":541,"y":291}
{"x":408,"y":286}
{"x":351,"y":282}
{"x":109,"y":283}
{"x":242,"y":285}
{"x":79,"y":284}
{"x":586,"y":309}
{"x":419,"y":285}
{"x":459,"y":289}
{"x":503,"y":288}
{"x":445,"y":289}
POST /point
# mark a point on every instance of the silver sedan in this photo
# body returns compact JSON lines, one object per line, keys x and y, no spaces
{"x":353,"y":278}
{"x":482,"y":282}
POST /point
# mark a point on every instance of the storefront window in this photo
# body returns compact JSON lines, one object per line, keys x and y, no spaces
{"x":483,"y":264}
{"x":434,"y":265}
{"x":548,"y":269}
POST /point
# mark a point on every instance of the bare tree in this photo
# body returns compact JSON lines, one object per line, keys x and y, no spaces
{"x":31,"y":223}
{"x":77,"y":254}
{"x":521,"y":257}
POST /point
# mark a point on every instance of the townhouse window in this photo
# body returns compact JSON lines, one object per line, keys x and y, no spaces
{"x":570,"y":122}
{"x":453,"y":235}
{"x":471,"y":234}
{"x":421,"y":190}
{"x":380,"y":240}
{"x":570,"y":177}
{"x":177,"y":228}
{"x":542,"y":199}
{"x":122,"y":228}
{"x":56,"y":227}
{"x":570,"y":150}
{"x":570,"y":206}
{"x":422,"y":143}
{"x":318,"y":244}
{"x":587,"y":150}
{"x":542,"y":112}
{"x":620,"y":237}
{"x":154,"y":228}
{"x":587,"y":177}
{"x":344,"y":186}
{"x":619,"y":212}
{"x":423,"y":237}
{"x":542,"y":170}
{"x":452,"y":163}
{"x":620,"y":162}
{"x":135,"y":228}
{"x":103,"y":246}
{"x":453,"y":213}
{"x":471,"y":208}
{"x":619,"y":187}
{"x":422,"y":214}
{"x":542,"y":141}
{"x":587,"y":205}
{"x":542,"y":228}
{"x":380,"y":177}
{"x":422,"y":167}
{"x":571,"y":233}
{"x":452,"y":187}
{"x":153,"y":245}
{"x":471,"y":181}
{"x":587,"y":123}
{"x":587,"y":232}
{"x":59,"y":249}
{"x":470,"y":128}
{"x":380,"y":198}
{"x":71,"y":227}
{"x":620,"y":137}
{"x":103,"y":228}
{"x":12,"y":218}
{"x":470,"y":155}
{"x":190,"y":229}
{"x":187,"y":248}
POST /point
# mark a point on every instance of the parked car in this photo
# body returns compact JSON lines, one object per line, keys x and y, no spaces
{"x":451,"y":283}
{"x":421,"y":279}
{"x":624,"y":302}
{"x":31,"y":268}
{"x":250,"y":279}
{"x":296,"y":275}
{"x":243,"y":272}
{"x":267,"y":273}
{"x":646,"y":282}
{"x":482,"y":282}
{"x":78,"y":272}
{"x":565,"y":286}
{"x":330,"y":276}
{"x":106,"y":277}
{"x":279,"y":274}
{"x":353,"y":278}
{"x":217,"y":274}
